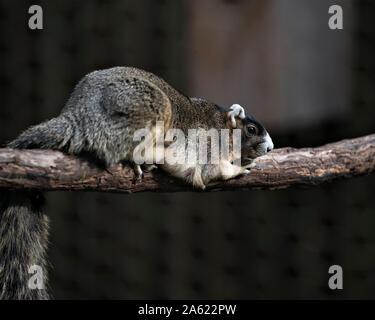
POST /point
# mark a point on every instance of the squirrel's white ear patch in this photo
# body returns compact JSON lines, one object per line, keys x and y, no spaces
{"x":236,"y":111}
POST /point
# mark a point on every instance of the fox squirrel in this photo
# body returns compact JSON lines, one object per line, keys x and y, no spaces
{"x":101,"y":117}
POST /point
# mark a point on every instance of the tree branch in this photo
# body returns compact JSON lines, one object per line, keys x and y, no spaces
{"x":281,"y":168}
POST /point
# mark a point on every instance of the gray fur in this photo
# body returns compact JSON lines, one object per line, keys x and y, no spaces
{"x":23,"y":243}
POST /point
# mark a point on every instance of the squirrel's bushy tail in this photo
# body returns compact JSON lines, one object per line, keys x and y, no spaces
{"x":23,"y":226}
{"x":23,"y":244}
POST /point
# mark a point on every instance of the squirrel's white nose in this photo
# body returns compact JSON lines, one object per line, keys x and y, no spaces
{"x":269,"y":143}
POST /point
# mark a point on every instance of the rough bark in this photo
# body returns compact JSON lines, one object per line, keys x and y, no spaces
{"x":281,"y":168}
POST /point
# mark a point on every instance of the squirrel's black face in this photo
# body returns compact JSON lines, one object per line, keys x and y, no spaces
{"x":255,"y":140}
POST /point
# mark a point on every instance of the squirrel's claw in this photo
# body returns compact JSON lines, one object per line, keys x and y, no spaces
{"x":250,"y":165}
{"x":149,"y":167}
{"x":138,"y":174}
{"x":246,"y":168}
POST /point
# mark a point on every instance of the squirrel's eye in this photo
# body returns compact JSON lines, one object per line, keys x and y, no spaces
{"x":251,"y":130}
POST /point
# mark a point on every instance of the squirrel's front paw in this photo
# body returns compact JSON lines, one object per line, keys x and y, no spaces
{"x":246,"y":169}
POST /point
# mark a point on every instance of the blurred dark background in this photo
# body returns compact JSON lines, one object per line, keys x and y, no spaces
{"x":308,"y":84}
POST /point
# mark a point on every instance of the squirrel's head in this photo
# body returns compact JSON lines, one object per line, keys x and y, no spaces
{"x":255,"y":140}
